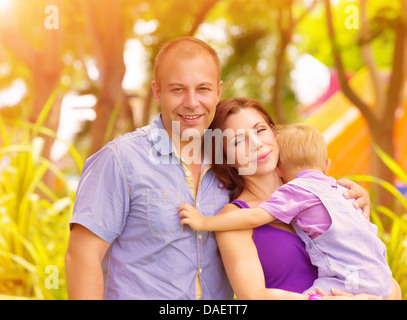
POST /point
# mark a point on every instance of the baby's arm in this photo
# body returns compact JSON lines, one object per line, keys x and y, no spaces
{"x":234,"y":220}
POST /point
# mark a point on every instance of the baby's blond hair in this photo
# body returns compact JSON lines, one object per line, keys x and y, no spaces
{"x":301,"y":146}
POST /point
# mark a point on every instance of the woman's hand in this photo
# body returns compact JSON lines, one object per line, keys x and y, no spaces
{"x":342,"y":295}
{"x":362,"y":198}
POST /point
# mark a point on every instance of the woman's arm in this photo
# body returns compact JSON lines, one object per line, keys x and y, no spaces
{"x":394,"y":295}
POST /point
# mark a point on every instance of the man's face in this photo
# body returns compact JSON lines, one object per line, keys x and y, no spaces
{"x":187,"y":89}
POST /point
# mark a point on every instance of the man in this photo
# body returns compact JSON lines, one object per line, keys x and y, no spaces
{"x":126,"y":240}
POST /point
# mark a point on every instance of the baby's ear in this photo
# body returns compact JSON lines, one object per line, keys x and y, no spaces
{"x":279,"y":172}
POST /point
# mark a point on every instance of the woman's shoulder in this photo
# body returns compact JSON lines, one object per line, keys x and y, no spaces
{"x":228,"y":208}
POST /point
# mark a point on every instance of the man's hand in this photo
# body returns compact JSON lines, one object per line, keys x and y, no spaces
{"x":362,"y":198}
{"x":190,"y":216}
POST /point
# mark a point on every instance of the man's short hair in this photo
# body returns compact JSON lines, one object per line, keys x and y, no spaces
{"x":191,"y":47}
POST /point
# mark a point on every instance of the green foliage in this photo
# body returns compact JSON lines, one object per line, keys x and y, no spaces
{"x":381,"y":16}
{"x":33,"y":215}
{"x":392,"y":223}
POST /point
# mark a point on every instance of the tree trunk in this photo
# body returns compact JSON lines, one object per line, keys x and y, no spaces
{"x":380,"y":119}
{"x":46,"y":65}
{"x":105,"y":28}
{"x":383,"y":137}
{"x":278,"y":87}
{"x":286,"y":25}
{"x":46,"y":68}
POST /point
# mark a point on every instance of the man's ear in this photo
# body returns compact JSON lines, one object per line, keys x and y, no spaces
{"x":156,"y":91}
{"x":220,"y":89}
{"x":327,"y":164}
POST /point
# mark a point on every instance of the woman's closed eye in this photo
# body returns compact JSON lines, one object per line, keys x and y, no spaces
{"x":239,"y":140}
{"x":261,"y":127}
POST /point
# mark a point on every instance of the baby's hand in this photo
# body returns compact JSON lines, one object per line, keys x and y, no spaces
{"x":190,"y":216}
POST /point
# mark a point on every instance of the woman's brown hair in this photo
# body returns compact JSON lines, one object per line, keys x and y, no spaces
{"x":228,"y":175}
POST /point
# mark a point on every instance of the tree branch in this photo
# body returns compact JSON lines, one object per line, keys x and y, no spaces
{"x":346,"y":89}
{"x":305,"y":13}
{"x":201,"y":15}
{"x":368,"y":58}
{"x":395,"y":90}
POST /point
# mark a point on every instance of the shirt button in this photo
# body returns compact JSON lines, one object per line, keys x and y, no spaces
{"x":200,"y":237}
{"x":197,"y":204}
{"x":200,"y":270}
{"x":187,"y":173}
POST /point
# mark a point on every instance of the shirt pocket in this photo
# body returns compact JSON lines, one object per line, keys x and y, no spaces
{"x":162,"y":212}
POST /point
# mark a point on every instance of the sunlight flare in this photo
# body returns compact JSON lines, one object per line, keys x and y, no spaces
{"x":4,"y":5}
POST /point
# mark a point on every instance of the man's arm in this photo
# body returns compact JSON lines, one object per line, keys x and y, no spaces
{"x":239,"y":219}
{"x":83,"y":264}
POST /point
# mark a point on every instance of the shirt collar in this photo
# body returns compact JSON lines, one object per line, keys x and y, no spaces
{"x":163,"y":144}
{"x":317,"y":174}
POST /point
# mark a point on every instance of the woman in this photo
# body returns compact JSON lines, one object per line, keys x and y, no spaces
{"x":269,"y":262}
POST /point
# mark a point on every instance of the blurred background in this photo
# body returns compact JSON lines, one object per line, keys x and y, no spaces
{"x":74,"y":74}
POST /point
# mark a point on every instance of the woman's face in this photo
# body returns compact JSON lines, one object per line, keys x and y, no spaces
{"x":250,"y":145}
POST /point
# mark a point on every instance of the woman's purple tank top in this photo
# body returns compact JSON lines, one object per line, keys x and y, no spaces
{"x":286,"y":263}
